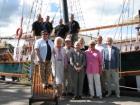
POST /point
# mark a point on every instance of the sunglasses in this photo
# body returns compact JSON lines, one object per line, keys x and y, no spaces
{"x":44,"y":33}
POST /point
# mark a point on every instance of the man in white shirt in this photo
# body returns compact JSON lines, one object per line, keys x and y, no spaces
{"x":44,"y":47}
{"x":99,"y":45}
{"x":100,"y":48}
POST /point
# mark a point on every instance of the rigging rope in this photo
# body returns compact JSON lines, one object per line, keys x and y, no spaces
{"x":75,"y":8}
{"x":35,"y":11}
{"x":19,"y":31}
{"x":82,"y":16}
{"x":30,"y":16}
{"x":71,"y":5}
{"x":55,"y":13}
{"x":76,"y":12}
{"x":40,"y":7}
{"x":101,"y":16}
{"x":128,"y":6}
{"x":121,"y":17}
{"x":23,"y":7}
{"x":45,"y":10}
{"x":60,"y":9}
{"x":132,"y":25}
{"x":124,"y":1}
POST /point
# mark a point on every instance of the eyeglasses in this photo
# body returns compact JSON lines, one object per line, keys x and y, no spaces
{"x":44,"y":32}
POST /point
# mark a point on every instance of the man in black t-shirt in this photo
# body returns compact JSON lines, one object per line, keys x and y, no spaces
{"x":48,"y":25}
{"x":74,"y":28}
{"x":61,"y":30}
{"x":37,"y":27}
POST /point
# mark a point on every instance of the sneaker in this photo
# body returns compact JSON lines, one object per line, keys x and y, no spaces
{"x":79,"y":97}
{"x":118,"y":96}
{"x":100,"y":97}
{"x":92,"y":97}
{"x":75,"y":98}
{"x":109,"y":94}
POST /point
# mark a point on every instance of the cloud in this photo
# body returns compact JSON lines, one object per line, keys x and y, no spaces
{"x":8,"y":9}
{"x":11,"y":13}
{"x":95,"y":13}
{"x":105,"y":12}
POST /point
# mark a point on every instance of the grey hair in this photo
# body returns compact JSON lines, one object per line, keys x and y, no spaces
{"x":109,"y":38}
{"x":58,"y":39}
{"x":81,"y":39}
{"x":92,"y":41}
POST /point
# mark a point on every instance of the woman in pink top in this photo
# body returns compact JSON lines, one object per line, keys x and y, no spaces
{"x":93,"y":69}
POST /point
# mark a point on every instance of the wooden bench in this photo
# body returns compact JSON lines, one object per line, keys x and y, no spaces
{"x":38,"y":92}
{"x":12,"y":69}
{"x":13,"y":75}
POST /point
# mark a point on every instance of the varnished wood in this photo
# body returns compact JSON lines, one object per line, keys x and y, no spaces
{"x":109,"y":26}
{"x":38,"y":92}
{"x":13,"y":75}
{"x":130,"y":73}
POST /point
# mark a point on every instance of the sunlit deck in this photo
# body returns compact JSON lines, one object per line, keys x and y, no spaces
{"x":14,"y":94}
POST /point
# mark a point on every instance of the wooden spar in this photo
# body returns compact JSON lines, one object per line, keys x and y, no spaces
{"x":109,"y":26}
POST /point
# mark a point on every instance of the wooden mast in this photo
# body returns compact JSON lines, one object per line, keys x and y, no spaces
{"x":65,"y":11}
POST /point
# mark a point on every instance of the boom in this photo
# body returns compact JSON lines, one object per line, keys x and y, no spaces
{"x":110,"y":26}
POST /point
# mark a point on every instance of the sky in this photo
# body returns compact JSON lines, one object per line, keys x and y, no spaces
{"x":89,"y":14}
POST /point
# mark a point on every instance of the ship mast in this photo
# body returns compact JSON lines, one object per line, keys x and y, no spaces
{"x":65,"y":11}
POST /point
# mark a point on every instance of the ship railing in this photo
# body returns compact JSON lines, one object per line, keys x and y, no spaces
{"x":130,"y":73}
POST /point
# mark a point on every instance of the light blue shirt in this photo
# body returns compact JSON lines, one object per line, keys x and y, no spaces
{"x":42,"y":46}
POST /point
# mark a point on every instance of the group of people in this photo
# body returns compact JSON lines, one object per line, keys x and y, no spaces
{"x":68,"y":60}
{"x":61,"y":30}
{"x":69,"y":65}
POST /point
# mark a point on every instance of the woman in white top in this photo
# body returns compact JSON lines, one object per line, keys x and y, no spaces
{"x":58,"y":63}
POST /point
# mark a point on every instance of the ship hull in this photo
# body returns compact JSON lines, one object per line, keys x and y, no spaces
{"x":130,"y":62}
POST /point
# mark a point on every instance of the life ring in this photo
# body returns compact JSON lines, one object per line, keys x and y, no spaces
{"x":19,"y":33}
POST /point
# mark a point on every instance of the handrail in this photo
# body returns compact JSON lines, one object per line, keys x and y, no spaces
{"x":130,"y":73}
{"x":13,"y":75}
{"x":12,"y":62}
